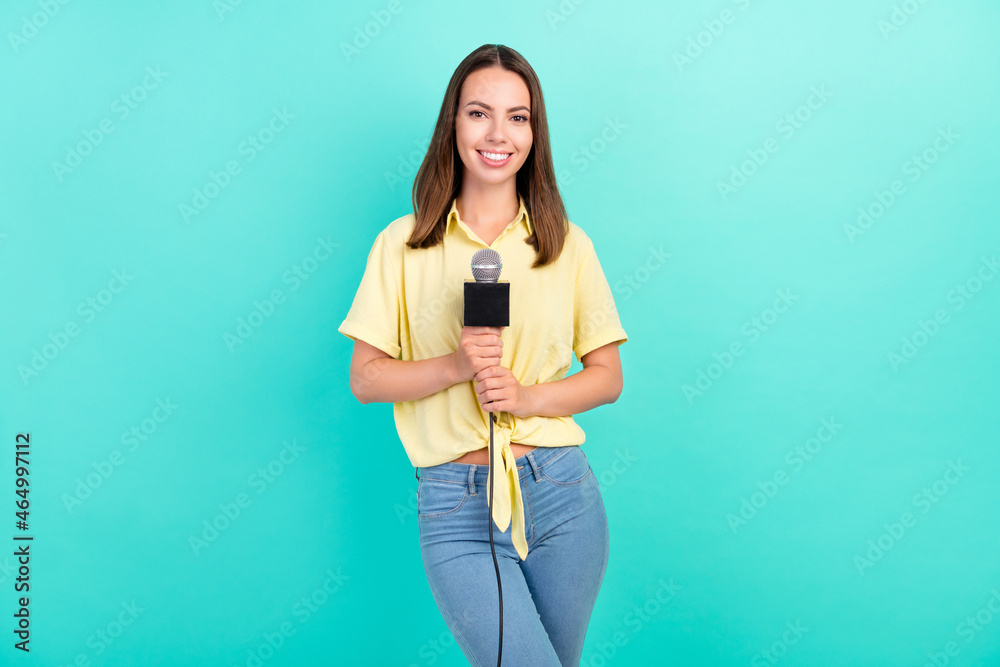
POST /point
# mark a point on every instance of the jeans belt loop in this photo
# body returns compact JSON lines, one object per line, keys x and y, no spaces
{"x":534,"y":466}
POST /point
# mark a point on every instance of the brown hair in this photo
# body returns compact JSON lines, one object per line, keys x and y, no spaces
{"x":439,"y":179}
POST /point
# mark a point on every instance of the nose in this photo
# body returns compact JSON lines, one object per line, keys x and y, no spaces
{"x":496,"y":131}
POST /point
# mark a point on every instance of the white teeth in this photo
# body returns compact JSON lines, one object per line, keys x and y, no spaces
{"x":496,"y":157}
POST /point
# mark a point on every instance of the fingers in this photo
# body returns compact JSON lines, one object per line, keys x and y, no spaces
{"x":485,"y":337}
{"x":485,"y":353}
{"x":489,"y":338}
{"x":490,"y":345}
{"x":495,"y":371}
{"x":486,"y":370}
{"x":486,"y":395}
{"x":483,"y":347}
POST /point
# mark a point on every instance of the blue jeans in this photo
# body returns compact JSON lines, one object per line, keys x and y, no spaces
{"x":548,"y":597}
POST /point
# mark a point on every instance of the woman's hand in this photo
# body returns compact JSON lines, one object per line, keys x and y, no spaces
{"x":478,"y":348}
{"x":499,"y":391}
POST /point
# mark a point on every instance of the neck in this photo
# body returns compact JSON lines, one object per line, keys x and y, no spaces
{"x":488,"y":205}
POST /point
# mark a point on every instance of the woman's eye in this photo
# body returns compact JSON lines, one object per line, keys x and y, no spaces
{"x":475,"y":111}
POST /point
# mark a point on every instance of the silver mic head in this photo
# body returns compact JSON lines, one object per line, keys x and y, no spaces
{"x":486,"y":265}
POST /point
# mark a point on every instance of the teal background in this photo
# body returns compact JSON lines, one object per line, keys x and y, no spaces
{"x":675,"y":466}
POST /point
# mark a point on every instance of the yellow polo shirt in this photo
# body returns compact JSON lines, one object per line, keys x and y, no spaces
{"x":410,"y":304}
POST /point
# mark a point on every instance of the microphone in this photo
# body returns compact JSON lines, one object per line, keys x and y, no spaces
{"x":487,"y":300}
{"x":487,"y":304}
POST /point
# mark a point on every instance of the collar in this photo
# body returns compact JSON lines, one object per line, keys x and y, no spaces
{"x":522,"y":214}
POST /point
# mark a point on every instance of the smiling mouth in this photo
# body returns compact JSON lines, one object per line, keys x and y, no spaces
{"x":495,"y":157}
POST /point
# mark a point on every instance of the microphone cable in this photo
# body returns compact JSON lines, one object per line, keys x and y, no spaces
{"x":486,"y":267}
{"x":489,"y":518}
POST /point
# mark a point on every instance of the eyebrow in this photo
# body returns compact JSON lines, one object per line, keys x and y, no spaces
{"x":489,"y":108}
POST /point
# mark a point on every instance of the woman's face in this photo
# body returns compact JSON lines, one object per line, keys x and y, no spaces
{"x":494,"y":112}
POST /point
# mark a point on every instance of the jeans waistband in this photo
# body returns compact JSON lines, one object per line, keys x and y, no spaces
{"x":475,"y":473}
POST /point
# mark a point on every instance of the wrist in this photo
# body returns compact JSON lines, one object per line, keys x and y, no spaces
{"x":450,"y":369}
{"x":535,"y":400}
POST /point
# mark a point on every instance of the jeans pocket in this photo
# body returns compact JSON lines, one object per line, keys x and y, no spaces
{"x":437,"y":497}
{"x":566,"y":468}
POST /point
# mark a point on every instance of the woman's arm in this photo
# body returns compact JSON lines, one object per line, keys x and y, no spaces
{"x":600,"y":382}
{"x":378,"y":378}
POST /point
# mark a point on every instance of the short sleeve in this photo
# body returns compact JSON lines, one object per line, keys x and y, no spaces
{"x":374,"y":314}
{"x":595,"y":317}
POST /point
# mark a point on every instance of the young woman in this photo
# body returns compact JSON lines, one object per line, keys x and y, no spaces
{"x":487,"y":182}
